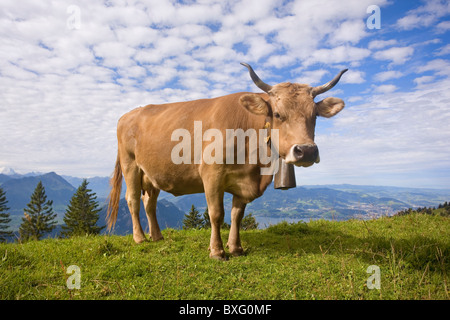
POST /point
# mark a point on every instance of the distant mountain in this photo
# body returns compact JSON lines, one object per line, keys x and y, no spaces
{"x":303,"y":202}
{"x":168,"y":215}
{"x":14,"y":175}
{"x":7,"y":171}
{"x":99,"y":185}
{"x":338,"y":202}
{"x":4,"y":178}
{"x":413,"y":197}
{"x":19,"y":191}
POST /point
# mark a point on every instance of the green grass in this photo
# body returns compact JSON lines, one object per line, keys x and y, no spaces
{"x":318,"y":260}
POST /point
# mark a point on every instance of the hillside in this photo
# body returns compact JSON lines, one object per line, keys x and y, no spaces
{"x":307,"y":261}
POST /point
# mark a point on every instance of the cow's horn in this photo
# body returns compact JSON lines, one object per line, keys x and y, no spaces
{"x":259,"y":83}
{"x":327,"y":86}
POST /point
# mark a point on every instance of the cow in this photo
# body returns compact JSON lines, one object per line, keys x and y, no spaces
{"x":146,"y":144}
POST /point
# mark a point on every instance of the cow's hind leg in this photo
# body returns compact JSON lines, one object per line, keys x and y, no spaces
{"x":149,"y":198}
{"x":133,"y":179}
{"x":234,"y":240}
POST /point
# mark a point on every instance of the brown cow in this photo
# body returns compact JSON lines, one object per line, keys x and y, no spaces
{"x":146,"y":144}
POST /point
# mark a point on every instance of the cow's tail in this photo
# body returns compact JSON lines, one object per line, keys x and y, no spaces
{"x":114,"y":195}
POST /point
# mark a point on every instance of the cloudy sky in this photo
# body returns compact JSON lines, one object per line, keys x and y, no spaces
{"x":70,"y":69}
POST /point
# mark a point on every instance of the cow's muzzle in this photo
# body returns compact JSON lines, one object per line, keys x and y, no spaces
{"x":304,"y":155}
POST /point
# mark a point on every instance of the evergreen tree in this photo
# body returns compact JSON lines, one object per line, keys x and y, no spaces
{"x":225,"y":226}
{"x":82,"y":213}
{"x":249,"y":222}
{"x":206,"y":221}
{"x":446,"y":213}
{"x":39,"y":217}
{"x":192,"y":220}
{"x":4,"y":217}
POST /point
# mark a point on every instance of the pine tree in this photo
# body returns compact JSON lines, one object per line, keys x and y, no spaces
{"x":4,"y":217}
{"x":39,"y":217}
{"x":82,"y":213}
{"x":249,"y":222}
{"x":192,"y":220}
{"x":206,"y":221}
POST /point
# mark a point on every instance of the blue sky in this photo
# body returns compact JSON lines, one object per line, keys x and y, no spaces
{"x":70,"y":69}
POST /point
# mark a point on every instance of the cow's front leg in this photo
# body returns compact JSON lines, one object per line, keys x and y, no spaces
{"x":234,"y":240}
{"x":214,"y":199}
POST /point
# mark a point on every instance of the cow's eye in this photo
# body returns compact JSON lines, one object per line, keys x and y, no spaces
{"x":278,"y":116}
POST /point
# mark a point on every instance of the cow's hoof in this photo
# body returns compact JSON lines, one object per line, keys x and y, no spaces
{"x":157,"y":238}
{"x":219,"y":256}
{"x":236,"y":252}
{"x":140,"y":239}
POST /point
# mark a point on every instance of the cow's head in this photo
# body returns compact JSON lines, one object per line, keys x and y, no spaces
{"x":291,"y":109}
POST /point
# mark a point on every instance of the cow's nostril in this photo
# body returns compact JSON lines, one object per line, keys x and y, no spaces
{"x":305,"y":153}
{"x":298,"y":152}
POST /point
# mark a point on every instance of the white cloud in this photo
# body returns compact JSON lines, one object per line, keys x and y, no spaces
{"x":251,"y":11}
{"x":259,"y":48}
{"x":304,"y":25}
{"x":398,"y":55}
{"x":167,"y":14}
{"x":443,"y":50}
{"x":353,"y":76}
{"x":443,"y":26}
{"x":351,"y":31}
{"x":337,"y":55}
{"x":439,"y":66}
{"x":423,"y":79}
{"x":388,"y":75}
{"x":313,"y":77}
{"x":280,"y":60}
{"x":414,"y":21}
{"x":385,"y":88}
{"x":355,"y":99}
{"x":136,"y":36}
{"x":379,"y":44}
{"x":114,"y":54}
{"x":425,"y":15}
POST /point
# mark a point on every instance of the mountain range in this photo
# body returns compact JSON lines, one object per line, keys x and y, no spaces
{"x":338,"y":202}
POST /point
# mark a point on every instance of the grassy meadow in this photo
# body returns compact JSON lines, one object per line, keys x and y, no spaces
{"x":316,"y":260}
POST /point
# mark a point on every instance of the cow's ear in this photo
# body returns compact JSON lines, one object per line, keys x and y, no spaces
{"x":329,"y":107}
{"x":255,"y":104}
